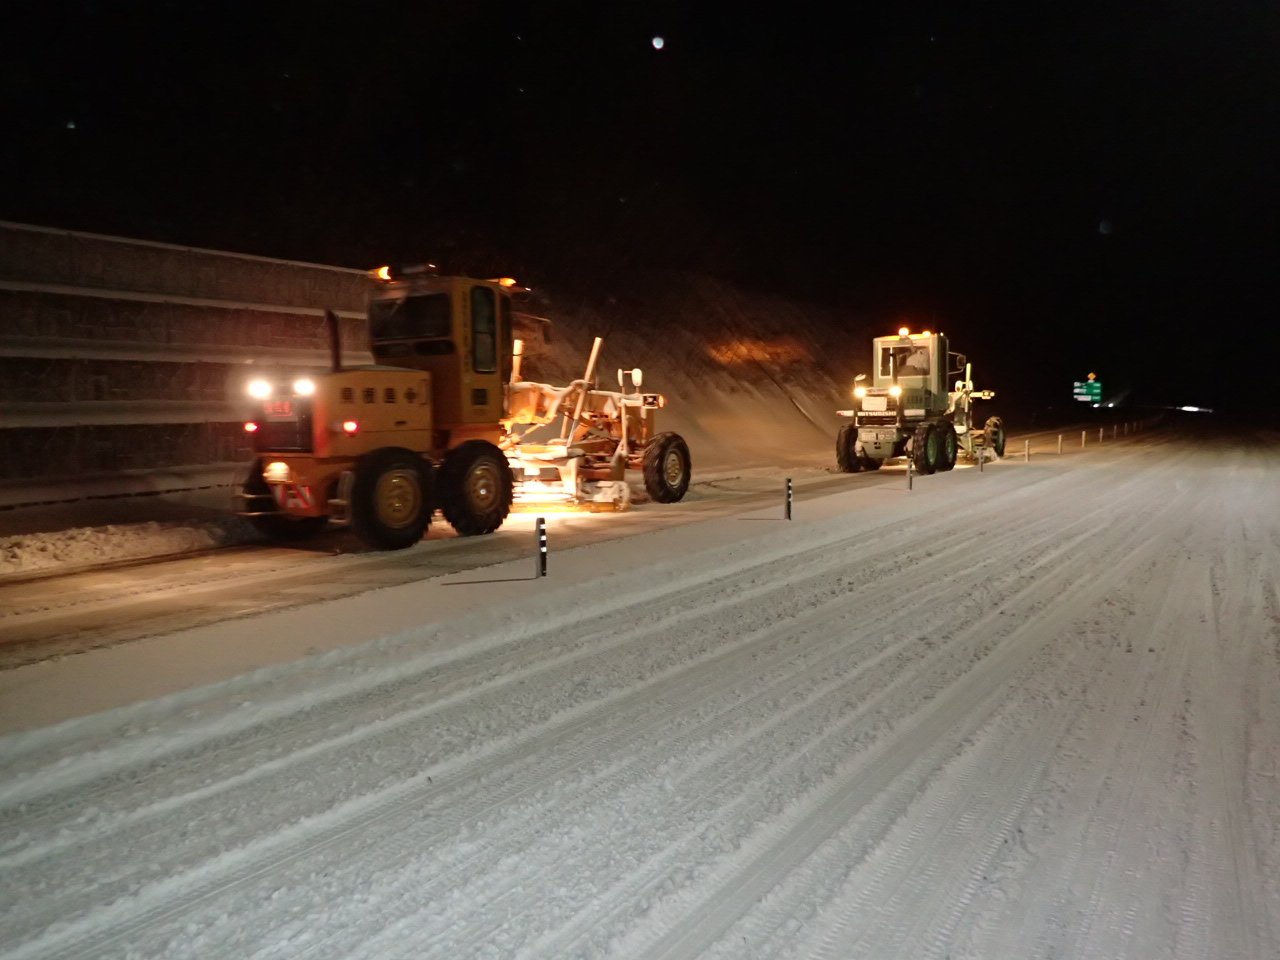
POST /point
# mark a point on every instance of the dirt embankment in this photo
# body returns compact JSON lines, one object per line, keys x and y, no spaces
{"x":748,"y":379}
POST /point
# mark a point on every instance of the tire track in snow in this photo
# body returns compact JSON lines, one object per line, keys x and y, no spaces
{"x":699,"y":926}
{"x":1115,"y":752}
{"x":940,"y":560}
{"x":698,"y":929}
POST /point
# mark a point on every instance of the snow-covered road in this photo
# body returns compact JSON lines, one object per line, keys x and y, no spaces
{"x":1028,"y":712}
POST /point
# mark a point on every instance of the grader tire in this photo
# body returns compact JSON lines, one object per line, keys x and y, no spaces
{"x":948,"y":446}
{"x":667,"y":468}
{"x":476,"y":488}
{"x":391,"y":499}
{"x":993,"y":436}
{"x":924,"y":449}
{"x":847,"y":458}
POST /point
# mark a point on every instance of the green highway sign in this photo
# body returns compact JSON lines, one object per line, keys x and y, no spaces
{"x":1089,"y":391}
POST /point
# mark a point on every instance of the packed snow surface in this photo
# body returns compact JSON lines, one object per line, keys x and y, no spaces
{"x":1028,"y":712}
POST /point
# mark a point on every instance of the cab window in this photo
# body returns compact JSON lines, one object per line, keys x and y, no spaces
{"x":484,"y":324}
{"x":421,"y":316}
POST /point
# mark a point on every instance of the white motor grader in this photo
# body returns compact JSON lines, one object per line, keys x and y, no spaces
{"x":573,"y":444}
{"x":918,"y":405}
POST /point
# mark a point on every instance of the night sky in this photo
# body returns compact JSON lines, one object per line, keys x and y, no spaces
{"x":1077,"y":188}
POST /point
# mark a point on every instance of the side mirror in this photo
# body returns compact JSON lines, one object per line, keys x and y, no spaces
{"x":859,"y":378}
{"x":622,"y":384}
{"x":637,"y":376}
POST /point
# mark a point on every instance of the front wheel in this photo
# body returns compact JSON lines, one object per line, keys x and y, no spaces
{"x":476,"y":488}
{"x":667,"y":467}
{"x":924,"y":449}
{"x":391,"y":499}
{"x":847,"y":458}
{"x":948,"y":446}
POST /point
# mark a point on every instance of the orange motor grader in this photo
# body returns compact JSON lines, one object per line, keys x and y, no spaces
{"x":430,"y":425}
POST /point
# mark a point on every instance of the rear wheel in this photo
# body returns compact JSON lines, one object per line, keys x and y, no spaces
{"x":993,"y":435}
{"x":847,"y":458}
{"x":476,"y":488}
{"x":391,"y":499}
{"x":948,"y":445}
{"x":667,"y":467}
{"x":924,"y":449}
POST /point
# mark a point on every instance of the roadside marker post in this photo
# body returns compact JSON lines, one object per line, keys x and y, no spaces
{"x":1100,"y":429}
{"x":1026,"y":450}
{"x":540,"y":560}
{"x":1081,"y":439}
{"x":788,"y":504}
{"x":1059,"y":444}
{"x":908,"y":473}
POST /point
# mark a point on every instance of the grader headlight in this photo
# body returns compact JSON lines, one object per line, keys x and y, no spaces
{"x":304,"y":387}
{"x":895,"y":391}
{"x":258,"y":389}
{"x":859,"y":392}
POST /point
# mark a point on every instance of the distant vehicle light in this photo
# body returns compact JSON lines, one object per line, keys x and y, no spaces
{"x":859,"y":392}
{"x":895,"y":391}
{"x":350,"y":427}
{"x":304,"y":386}
{"x":250,"y":427}
{"x":259,"y":389}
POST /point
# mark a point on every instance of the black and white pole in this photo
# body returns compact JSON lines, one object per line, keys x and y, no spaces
{"x":540,"y":561}
{"x":909,"y":472}
{"x":787,"y":508}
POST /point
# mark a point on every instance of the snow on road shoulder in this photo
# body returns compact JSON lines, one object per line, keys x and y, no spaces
{"x":64,"y":551}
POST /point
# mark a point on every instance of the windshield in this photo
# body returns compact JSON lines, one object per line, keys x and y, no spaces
{"x":908,"y":360}
{"x":421,"y":316}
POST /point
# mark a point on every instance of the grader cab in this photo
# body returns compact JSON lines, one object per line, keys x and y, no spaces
{"x":428,"y":426}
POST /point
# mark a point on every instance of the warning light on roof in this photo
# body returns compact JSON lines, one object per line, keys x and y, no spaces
{"x":383,"y":273}
{"x":903,"y":331}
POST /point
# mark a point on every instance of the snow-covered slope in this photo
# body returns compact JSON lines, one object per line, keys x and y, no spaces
{"x":1028,"y":712}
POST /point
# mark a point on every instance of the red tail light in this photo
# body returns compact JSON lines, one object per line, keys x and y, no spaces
{"x":250,"y":427}
{"x":349,"y":427}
